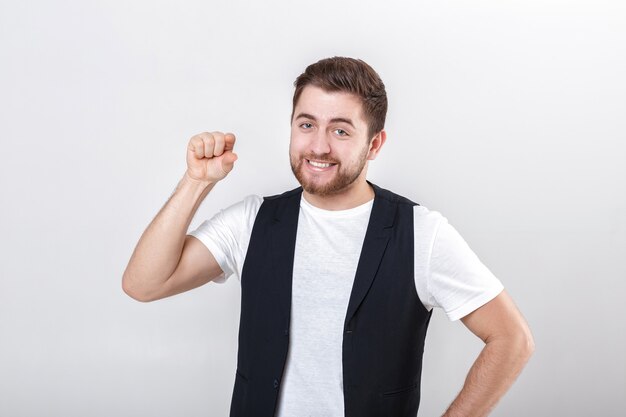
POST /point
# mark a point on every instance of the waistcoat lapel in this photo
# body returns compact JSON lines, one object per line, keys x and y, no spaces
{"x":374,"y":245}
{"x":283,"y":244}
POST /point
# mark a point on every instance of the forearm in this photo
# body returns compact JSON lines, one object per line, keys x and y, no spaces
{"x":491,"y":375}
{"x":159,"y":249}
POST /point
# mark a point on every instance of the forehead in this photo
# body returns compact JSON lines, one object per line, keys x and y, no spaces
{"x":327,"y":105}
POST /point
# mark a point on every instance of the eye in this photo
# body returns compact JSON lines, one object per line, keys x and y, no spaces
{"x":340,"y":132}
{"x":306,"y":125}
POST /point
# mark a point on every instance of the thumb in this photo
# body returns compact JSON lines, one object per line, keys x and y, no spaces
{"x":228,"y":162}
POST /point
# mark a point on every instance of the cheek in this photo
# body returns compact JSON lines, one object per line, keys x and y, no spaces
{"x":294,"y":151}
{"x":296,"y":143}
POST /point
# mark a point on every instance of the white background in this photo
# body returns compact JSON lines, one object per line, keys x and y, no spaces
{"x":506,"y":116}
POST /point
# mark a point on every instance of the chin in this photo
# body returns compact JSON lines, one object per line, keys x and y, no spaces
{"x":337,"y":184}
{"x":325,"y":189}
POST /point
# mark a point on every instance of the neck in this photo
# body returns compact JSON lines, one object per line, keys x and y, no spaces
{"x":357,"y":193}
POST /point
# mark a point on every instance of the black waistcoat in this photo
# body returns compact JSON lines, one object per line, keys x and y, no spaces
{"x":385,"y":324}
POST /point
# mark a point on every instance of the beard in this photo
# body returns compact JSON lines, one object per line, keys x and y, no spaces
{"x":344,"y":176}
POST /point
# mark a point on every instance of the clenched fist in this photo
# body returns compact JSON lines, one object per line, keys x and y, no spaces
{"x":210,"y":156}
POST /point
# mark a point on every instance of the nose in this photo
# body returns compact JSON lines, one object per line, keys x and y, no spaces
{"x":321,"y":143}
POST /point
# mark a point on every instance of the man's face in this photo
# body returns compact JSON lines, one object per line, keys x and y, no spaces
{"x":329,"y":146}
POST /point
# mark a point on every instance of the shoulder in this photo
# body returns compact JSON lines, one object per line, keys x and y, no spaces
{"x":392,"y":197}
{"x":426,"y":226}
{"x":250,"y":205}
{"x":423,"y":216}
{"x":424,"y":220}
{"x":246,"y":208}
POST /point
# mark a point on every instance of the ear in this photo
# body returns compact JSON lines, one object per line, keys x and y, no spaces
{"x":377,"y":142}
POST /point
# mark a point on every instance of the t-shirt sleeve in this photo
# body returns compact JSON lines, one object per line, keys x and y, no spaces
{"x":457,"y":280}
{"x":226,"y":235}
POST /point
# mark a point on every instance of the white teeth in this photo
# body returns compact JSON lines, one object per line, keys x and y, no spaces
{"x":319,"y":164}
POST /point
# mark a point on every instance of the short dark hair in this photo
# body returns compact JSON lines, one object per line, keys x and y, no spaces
{"x":352,"y":76}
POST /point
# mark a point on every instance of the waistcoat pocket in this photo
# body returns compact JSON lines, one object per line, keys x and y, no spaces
{"x":401,"y":402}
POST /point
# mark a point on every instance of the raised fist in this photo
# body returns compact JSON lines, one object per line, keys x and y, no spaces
{"x":210,"y":156}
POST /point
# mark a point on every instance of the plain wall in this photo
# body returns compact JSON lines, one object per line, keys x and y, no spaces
{"x":508,"y":117}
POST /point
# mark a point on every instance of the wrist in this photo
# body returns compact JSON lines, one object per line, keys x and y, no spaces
{"x":193,"y":186}
{"x":194,"y":182}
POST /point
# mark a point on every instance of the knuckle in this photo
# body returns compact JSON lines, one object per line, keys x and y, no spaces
{"x":204,"y":135}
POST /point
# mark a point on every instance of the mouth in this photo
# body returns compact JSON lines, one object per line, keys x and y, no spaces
{"x":319,"y":165}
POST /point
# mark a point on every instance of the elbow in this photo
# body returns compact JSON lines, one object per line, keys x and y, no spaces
{"x":525,"y":344}
{"x":133,"y":291}
{"x":518,"y":343}
{"x":529,"y":345}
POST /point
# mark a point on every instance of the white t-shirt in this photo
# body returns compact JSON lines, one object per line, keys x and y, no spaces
{"x":328,"y":246}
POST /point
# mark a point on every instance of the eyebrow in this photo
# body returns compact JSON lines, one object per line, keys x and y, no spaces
{"x":333,"y":120}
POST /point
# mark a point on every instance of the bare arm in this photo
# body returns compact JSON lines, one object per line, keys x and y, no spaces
{"x":508,"y":346}
{"x":166,"y":261}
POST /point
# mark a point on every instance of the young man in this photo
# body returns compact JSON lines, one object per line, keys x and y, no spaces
{"x":339,"y":276}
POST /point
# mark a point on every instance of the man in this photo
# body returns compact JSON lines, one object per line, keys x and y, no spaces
{"x":339,"y":276}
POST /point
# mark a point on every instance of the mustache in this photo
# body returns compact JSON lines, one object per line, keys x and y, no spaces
{"x":320,"y":158}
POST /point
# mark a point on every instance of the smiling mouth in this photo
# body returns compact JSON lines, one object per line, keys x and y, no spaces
{"x":322,"y":165}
